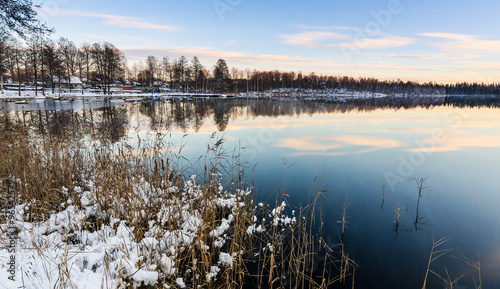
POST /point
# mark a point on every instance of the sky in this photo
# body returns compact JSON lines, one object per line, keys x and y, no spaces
{"x":443,"y":41}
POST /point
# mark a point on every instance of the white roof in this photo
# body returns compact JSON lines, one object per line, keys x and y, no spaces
{"x":72,"y":79}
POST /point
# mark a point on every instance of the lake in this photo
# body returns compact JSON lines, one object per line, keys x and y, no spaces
{"x":369,"y":154}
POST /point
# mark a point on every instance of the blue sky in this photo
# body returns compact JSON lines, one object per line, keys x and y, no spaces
{"x":442,"y":41}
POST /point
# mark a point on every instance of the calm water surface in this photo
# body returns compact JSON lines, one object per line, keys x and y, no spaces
{"x":364,"y":153}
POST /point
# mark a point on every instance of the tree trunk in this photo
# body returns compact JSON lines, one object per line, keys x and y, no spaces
{"x":18,"y":76}
{"x":69,"y":80}
{"x":43,"y":76}
{"x":36,"y":74}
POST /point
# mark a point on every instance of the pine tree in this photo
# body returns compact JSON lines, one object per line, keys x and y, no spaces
{"x":197,"y":69}
{"x":221,"y":75}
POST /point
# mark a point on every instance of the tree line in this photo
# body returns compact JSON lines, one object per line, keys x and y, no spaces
{"x":39,"y":59}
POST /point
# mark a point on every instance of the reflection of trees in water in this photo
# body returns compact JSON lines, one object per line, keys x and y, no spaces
{"x":473,"y":102}
{"x":111,"y":124}
{"x":186,"y":115}
{"x":54,"y":124}
{"x":106,"y":124}
{"x":182,"y":115}
{"x":221,"y":111}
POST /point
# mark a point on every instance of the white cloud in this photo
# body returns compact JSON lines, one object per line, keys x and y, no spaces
{"x":450,"y":36}
{"x":463,"y":42}
{"x":420,"y":56}
{"x":231,"y":42}
{"x":312,"y":38}
{"x":207,"y":52}
{"x":344,"y":37}
{"x":480,"y":65}
{"x":113,"y":20}
{"x":113,"y":38}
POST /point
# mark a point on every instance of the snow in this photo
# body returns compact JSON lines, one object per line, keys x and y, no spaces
{"x":226,"y":259}
{"x":340,"y":95}
{"x":62,"y":252}
{"x":180,"y":282}
{"x":214,"y":270}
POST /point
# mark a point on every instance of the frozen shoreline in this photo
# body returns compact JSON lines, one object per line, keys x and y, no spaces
{"x":340,"y":95}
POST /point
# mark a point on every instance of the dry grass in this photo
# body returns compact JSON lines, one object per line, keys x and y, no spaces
{"x":436,"y":252}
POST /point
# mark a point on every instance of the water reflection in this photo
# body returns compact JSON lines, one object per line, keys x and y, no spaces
{"x":108,"y":124}
{"x":76,"y":104}
{"x":192,"y":115}
{"x":337,"y":145}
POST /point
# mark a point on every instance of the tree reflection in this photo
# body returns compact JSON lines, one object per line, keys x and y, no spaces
{"x":221,"y":114}
{"x":192,"y":114}
{"x":106,"y":125}
{"x":110,"y":124}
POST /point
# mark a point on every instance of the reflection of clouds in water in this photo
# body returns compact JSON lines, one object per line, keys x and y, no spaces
{"x":462,"y":143}
{"x":337,"y":145}
{"x":481,"y":123}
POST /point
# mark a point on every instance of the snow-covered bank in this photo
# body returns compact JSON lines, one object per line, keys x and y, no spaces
{"x":331,"y":95}
{"x":65,"y":252}
{"x":27,"y":94}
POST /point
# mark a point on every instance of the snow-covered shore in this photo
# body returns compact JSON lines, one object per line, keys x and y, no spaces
{"x":334,"y":95}
{"x":63,"y":252}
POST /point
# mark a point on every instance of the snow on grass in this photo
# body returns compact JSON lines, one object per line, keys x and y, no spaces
{"x":226,"y":259}
{"x":63,"y":251}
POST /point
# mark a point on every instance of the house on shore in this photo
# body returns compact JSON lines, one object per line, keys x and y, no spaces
{"x":73,"y":82}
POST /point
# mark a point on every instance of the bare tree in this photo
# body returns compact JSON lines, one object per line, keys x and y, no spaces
{"x":179,"y":72}
{"x":15,"y":60}
{"x":134,"y":71}
{"x":248,"y":77}
{"x":51,"y":60}
{"x":152,"y":64}
{"x":108,"y":61}
{"x":166,"y":69}
{"x":34,"y":51}
{"x":69,"y":56}
{"x":235,"y":74}
{"x":81,"y":65}
{"x":86,"y":50}
{"x":182,"y":67}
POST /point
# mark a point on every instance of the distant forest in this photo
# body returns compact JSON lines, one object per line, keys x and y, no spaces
{"x":37,"y":59}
